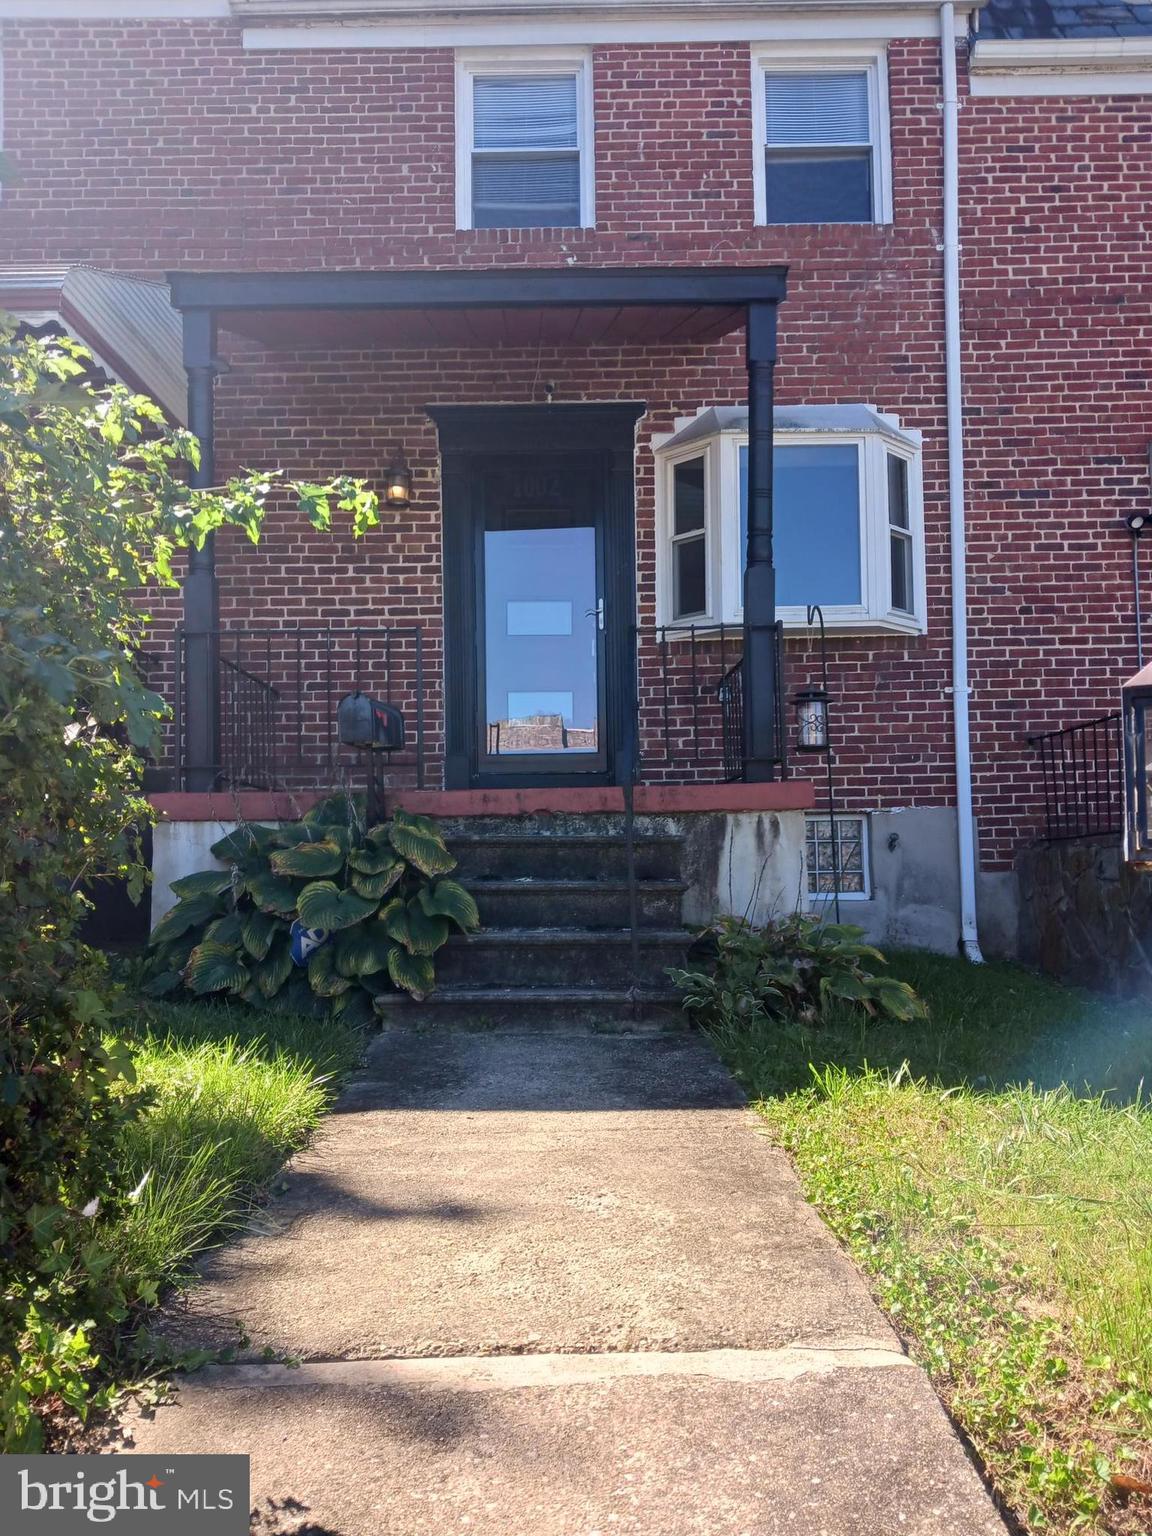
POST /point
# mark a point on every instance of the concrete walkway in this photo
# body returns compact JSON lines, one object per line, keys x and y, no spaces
{"x":559,"y":1286}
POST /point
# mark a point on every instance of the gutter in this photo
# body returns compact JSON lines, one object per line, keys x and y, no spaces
{"x":1058,"y":54}
{"x":954,"y":389}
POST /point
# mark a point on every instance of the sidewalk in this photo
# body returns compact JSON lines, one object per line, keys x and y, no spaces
{"x":554,"y":1286}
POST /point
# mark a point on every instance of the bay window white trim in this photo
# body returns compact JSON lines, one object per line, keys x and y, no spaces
{"x":576,"y":62}
{"x":871,"y":59}
{"x":719,"y":435}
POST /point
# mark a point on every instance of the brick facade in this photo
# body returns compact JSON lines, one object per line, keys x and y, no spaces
{"x":149,"y":146}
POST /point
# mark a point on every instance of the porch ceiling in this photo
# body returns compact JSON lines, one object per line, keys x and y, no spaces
{"x":484,"y":327}
{"x":492,"y":307}
{"x":524,"y":328}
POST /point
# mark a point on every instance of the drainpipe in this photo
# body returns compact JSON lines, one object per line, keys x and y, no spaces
{"x":965,"y":833}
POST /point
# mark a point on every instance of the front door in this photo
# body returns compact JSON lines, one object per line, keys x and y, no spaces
{"x":539,"y":598}
{"x":541,"y":616}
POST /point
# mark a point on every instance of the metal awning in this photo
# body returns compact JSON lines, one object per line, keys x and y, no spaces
{"x":505,"y":307}
{"x":128,"y":322}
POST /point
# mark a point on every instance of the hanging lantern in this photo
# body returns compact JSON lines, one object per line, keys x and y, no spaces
{"x":811,"y":705}
{"x":398,"y":484}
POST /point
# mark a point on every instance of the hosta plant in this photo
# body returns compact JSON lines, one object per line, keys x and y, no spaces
{"x":377,"y":901}
{"x":799,"y":968}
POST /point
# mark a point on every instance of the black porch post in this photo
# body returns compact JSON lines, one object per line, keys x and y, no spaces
{"x":201,"y":725}
{"x":761,"y":749}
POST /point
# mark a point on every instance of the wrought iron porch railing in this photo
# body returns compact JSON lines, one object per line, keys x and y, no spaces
{"x":278,"y":688}
{"x":277,"y":691}
{"x":249,"y":710}
{"x":692,"y":701}
{"x":1082,"y":769}
{"x":731,"y":692}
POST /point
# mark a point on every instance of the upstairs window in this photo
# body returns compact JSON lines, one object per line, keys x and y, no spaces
{"x":822,"y":143}
{"x":523,"y":143}
{"x":847,"y":519}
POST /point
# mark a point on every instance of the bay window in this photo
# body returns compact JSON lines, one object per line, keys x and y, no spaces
{"x":848,"y":528}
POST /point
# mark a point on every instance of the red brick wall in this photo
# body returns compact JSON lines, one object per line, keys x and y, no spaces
{"x":1057,"y":317}
{"x":149,"y":146}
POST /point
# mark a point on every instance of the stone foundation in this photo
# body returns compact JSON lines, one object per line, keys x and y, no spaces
{"x":1086,"y":916}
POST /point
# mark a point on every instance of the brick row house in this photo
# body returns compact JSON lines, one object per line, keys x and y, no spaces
{"x":670,"y":335}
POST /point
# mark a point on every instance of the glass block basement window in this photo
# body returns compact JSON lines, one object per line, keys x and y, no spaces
{"x":853,"y":859}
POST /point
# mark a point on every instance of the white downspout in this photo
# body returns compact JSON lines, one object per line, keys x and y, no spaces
{"x":965,"y":833}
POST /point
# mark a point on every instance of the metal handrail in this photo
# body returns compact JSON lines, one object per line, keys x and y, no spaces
{"x":1083,"y":776}
{"x":277,"y":691}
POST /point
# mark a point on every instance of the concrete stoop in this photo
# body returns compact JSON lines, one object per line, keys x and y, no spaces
{"x":557,"y":950}
{"x":556,"y":1285}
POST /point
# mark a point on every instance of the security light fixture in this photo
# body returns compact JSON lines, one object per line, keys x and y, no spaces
{"x":1139,"y":522}
{"x":398,"y":483}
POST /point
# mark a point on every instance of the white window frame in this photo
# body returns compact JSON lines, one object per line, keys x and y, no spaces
{"x":821,"y":897}
{"x":525,"y":61}
{"x":724,"y":556}
{"x":813,"y":58}
{"x":666,"y":496}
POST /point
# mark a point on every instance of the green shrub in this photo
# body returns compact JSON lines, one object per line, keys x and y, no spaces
{"x":94,"y":504}
{"x":799,"y":968}
{"x":379,"y":894}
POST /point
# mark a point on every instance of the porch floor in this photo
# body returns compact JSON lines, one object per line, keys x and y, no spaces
{"x":556,"y":1284}
{"x":649,"y":799}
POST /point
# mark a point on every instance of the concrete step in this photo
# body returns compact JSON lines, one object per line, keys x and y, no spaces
{"x":562,"y":957}
{"x":567,"y":903}
{"x":538,"y":1010}
{"x":510,"y":855}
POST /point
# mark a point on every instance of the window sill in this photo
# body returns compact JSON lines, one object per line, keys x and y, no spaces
{"x":825,"y":224}
{"x":519,"y":229}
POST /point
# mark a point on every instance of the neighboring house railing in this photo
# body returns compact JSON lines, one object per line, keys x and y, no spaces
{"x":278,"y":689}
{"x":1082,"y":770}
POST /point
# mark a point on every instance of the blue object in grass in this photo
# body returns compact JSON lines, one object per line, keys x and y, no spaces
{"x":306,"y":941}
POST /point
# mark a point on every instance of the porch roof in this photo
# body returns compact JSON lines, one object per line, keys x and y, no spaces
{"x":490,"y":307}
{"x":127,"y":322}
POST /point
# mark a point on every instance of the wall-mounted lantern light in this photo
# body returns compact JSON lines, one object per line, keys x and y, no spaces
{"x":398,"y":484}
{"x":811,"y":705}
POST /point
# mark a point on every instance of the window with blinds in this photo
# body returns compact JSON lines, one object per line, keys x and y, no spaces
{"x":819,"y":150}
{"x":525,"y":151}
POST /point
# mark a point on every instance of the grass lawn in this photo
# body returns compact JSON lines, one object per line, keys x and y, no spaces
{"x":231,"y":1094}
{"x":991,"y":1170}
{"x":234,"y":1094}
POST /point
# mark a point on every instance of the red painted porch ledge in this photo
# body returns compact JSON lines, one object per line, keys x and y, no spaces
{"x":651,"y":799}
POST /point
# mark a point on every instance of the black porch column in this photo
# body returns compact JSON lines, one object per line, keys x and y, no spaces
{"x":761,"y":749}
{"x":201,"y":718}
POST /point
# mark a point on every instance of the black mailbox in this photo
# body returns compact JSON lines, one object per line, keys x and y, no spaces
{"x":365,"y":722}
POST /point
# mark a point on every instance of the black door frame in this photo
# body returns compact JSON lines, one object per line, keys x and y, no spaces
{"x":604,"y":433}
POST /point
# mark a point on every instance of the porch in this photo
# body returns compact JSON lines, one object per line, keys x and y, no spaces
{"x":539,"y":670}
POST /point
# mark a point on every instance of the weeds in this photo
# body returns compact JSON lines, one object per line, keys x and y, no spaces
{"x":1005,"y":1225}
